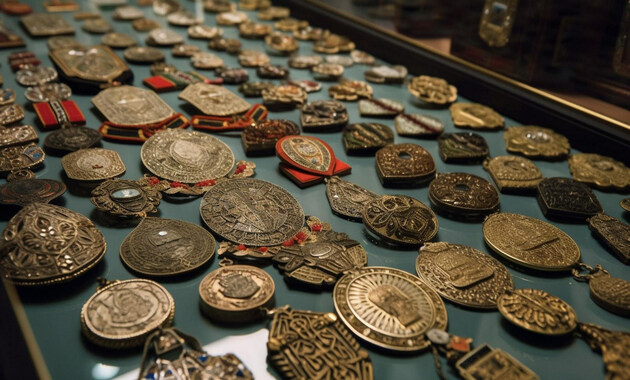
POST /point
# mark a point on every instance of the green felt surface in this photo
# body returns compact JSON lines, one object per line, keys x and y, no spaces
{"x":53,"y":312}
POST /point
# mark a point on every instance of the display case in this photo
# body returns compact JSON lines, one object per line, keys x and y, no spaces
{"x":41,"y":328}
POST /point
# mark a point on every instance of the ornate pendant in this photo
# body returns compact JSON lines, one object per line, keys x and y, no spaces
{"x":347,"y":199}
{"x":417,"y":125}
{"x":599,"y":171}
{"x":366,"y":138}
{"x":513,"y":174}
{"x":463,"y":147}
{"x":404,"y":165}
{"x":125,"y":198}
{"x":610,"y":293}
{"x":432,"y":90}
{"x":475,"y":116}
{"x":93,"y":164}
{"x":536,"y":142}
{"x":463,"y":196}
{"x":613,"y":233}
{"x":567,"y":198}
{"x":308,"y":154}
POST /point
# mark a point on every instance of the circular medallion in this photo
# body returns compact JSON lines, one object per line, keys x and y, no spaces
{"x":536,"y":142}
{"x":71,"y":139}
{"x":93,"y":164}
{"x":166,"y":247}
{"x":118,"y":40}
{"x":463,"y":195}
{"x":463,"y":275}
{"x":251,"y":212}
{"x":123,"y":313}
{"x":400,"y":220}
{"x":45,"y":244}
{"x":537,"y":311}
{"x":389,"y":308}
{"x":530,"y":242}
{"x":143,"y":54}
{"x":236,"y":293}
{"x":186,"y":156}
{"x":599,"y":171}
{"x":23,"y":192}
{"x":125,"y":198}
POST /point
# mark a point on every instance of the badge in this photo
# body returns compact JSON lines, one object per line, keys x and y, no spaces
{"x":232,"y":75}
{"x":273,"y":13}
{"x":281,"y":44}
{"x":380,"y":108}
{"x":513,"y":174}
{"x":214,"y":100}
{"x":239,"y":122}
{"x":404,"y":165}
{"x":260,"y":138}
{"x":46,"y":24}
{"x":475,"y":116}
{"x":350,"y":90}
{"x":204,"y":32}
{"x":93,"y":164}
{"x":366,"y":138}
{"x":304,"y":61}
{"x":567,"y":198}
{"x":121,"y":197}
{"x":599,"y":171}
{"x":254,"y":89}
{"x":96,"y":26}
{"x":54,"y":114}
{"x":608,"y":292}
{"x":386,"y":74}
{"x":206,"y":61}
{"x":611,"y":232}
{"x":333,"y":44}
{"x":497,"y":20}
{"x":164,"y":37}
{"x":323,"y":115}
{"x":78,"y":66}
{"x":252,"y":58}
{"x":327,"y":71}
{"x":418,"y":125}
{"x":462,"y":147}
{"x":284,"y":96}
{"x":463,"y":196}
{"x":362,"y":58}
{"x":254,"y":30}
{"x":71,"y":139}
{"x":347,"y":199}
{"x":17,"y":135}
{"x":19,"y":157}
{"x":23,"y":192}
{"x":232,"y":18}
{"x":432,"y":90}
{"x":536,"y":142}
{"x":272,"y":72}
{"x":118,"y":40}
{"x":143,"y":54}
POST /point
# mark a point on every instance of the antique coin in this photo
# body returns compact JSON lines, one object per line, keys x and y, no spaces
{"x":432,"y":90}
{"x":18,"y":135}
{"x":380,"y":107}
{"x":254,"y":30}
{"x":93,"y":164}
{"x":185,"y":50}
{"x":485,"y":362}
{"x":254,"y":89}
{"x":164,"y":37}
{"x":20,"y":157}
{"x":386,"y":74}
{"x":610,"y":293}
{"x":127,"y":13}
{"x":232,"y":75}
{"x":47,"y":92}
{"x":230,"y":45}
{"x":599,"y":171}
{"x":513,"y":174}
{"x":204,"y":32}
{"x":342,"y":60}
{"x":125,"y":198}
{"x":475,"y":116}
{"x":118,"y":40}
{"x":304,"y":61}
{"x":272,"y":71}
{"x":274,"y":13}
{"x":236,"y":293}
{"x":63,"y":42}
{"x":186,"y":156}
{"x":339,"y":355}
{"x":366,"y":138}
{"x":22,"y":192}
{"x":11,"y":114}
{"x":206,"y":61}
{"x":183,"y":18}
{"x":323,"y":115}
{"x":463,"y":275}
{"x":463,"y":196}
{"x":252,"y":58}
{"x":400,"y":220}
{"x":143,"y":54}
{"x":327,"y":71}
{"x":214,"y":100}
{"x":350,"y":90}
{"x":463,"y":147}
{"x":536,"y":142}
{"x":404,"y":164}
{"x":284,"y":96}
{"x":128,"y":105}
{"x":281,"y":44}
{"x":232,"y":18}
{"x":35,"y":75}
{"x":389,"y":308}
{"x":418,"y":125}
{"x":45,"y":244}
{"x":613,"y":345}
{"x":7,"y":96}
{"x":251,"y":212}
{"x":96,"y":26}
{"x":309,"y":154}
{"x":347,"y":199}
{"x":613,"y":233}
{"x":567,"y":198}
{"x":145,"y":24}
{"x":530,"y":242}
{"x":46,"y":24}
{"x":333,"y":44}
{"x":166,"y":247}
{"x":537,"y":311}
{"x":260,"y":138}
{"x":71,"y":139}
{"x":94,"y":63}
{"x":121,"y":314}
{"x":361,"y":57}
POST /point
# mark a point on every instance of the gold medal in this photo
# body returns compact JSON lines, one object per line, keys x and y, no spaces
{"x":610,"y":293}
{"x":599,"y":171}
{"x":214,"y":100}
{"x":536,"y":142}
{"x":613,"y":233}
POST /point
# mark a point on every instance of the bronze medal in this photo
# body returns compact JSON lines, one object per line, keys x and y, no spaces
{"x":475,"y":116}
{"x":613,"y":233}
{"x":366,"y":138}
{"x":323,"y":115}
{"x":463,"y":196}
{"x":71,"y":139}
{"x":125,"y":198}
{"x":463,"y":147}
{"x":513,"y":174}
{"x":599,"y":171}
{"x":567,"y":198}
{"x":404,"y":165}
{"x":536,"y":142}
{"x":92,"y":164}
{"x":347,"y":199}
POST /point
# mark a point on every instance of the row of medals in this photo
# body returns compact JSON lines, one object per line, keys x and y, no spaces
{"x":261,"y":223}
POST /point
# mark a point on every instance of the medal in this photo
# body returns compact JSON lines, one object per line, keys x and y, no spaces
{"x":63,"y":42}
{"x":339,"y":60}
{"x":128,"y":105}
{"x":366,"y":138}
{"x":96,"y":26}
{"x":92,"y":164}
{"x":54,"y":114}
{"x":35,"y":75}
{"x":145,"y":24}
{"x":232,"y":75}
{"x":17,"y":135}
{"x":347,"y":199}
{"x":10,"y":114}
{"x":185,"y":50}
{"x":23,"y":191}
{"x":183,"y":18}
{"x":118,"y":40}
{"x":608,"y":292}
{"x":214,"y":100}
{"x":380,"y":108}
{"x":333,"y":44}
{"x":475,"y":116}
{"x":260,"y":138}
{"x":625,"y":204}
{"x":513,"y":174}
{"x":611,"y":232}
{"x":254,"y":89}
{"x":273,"y":13}
{"x":290,"y":24}
{"x":8,"y":39}
{"x":386,"y":74}
{"x":46,"y":24}
{"x":536,"y":142}
{"x":7,"y":97}
{"x":272,"y":72}
{"x":47,"y":92}
{"x":206,"y":61}
{"x":125,"y":198}
{"x":323,"y":115}
{"x":238,"y":122}
{"x":463,"y":147}
{"x":404,"y":165}
{"x":417,"y":125}
{"x":173,"y":80}
{"x":361,"y":57}
{"x":567,"y":198}
{"x":218,"y":6}
{"x":350,"y":90}
{"x":229,"y":45}
{"x":127,"y":13}
{"x":307,"y":85}
{"x":310,"y":34}
{"x":143,"y":54}
{"x":70,"y":139}
{"x":463,"y":196}
{"x":599,"y":171}
{"x":481,"y":361}
{"x":432,"y":90}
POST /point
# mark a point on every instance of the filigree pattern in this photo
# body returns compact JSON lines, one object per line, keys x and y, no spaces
{"x":125,"y":197}
{"x":614,"y":346}
{"x":614,"y":233}
{"x":20,"y":134}
{"x":406,"y":162}
{"x":214,"y":100}
{"x":261,"y":138}
{"x":93,"y":164}
{"x":23,"y":192}
{"x":307,"y":152}
{"x":129,"y":105}
{"x":611,"y":293}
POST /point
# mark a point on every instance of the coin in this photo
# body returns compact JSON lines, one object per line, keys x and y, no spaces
{"x":530,"y":242}
{"x":27,"y":191}
{"x":463,"y":196}
{"x":323,"y":115}
{"x":613,"y":233}
{"x":432,"y":90}
{"x":537,"y":311}
{"x":327,"y":71}
{"x":389,"y":308}
{"x":366,"y":138}
{"x":251,"y":212}
{"x":463,"y":275}
{"x":118,"y":40}
{"x":333,"y":44}
{"x":475,"y":116}
{"x":536,"y":142}
{"x":96,"y":26}
{"x":127,"y":13}
{"x":236,"y":293}
{"x":46,"y":24}
{"x":513,"y":173}
{"x":128,"y":105}
{"x":164,"y":37}
{"x":93,"y":164}
{"x":20,"y":157}
{"x":214,"y":100}
{"x":125,"y":198}
{"x":380,"y":107}
{"x":45,"y":244}
{"x":386,"y":74}
{"x":404,"y":164}
{"x":123,"y":313}
{"x":166,"y":247}
{"x":347,"y":199}
{"x":204,"y":32}
{"x":186,"y":156}
{"x":342,"y":60}
{"x":206,"y":61}
{"x":464,"y":147}
{"x":400,"y":220}
{"x":274,"y":13}
{"x":304,"y":61}
{"x":567,"y":198}
{"x":71,"y":139}
{"x":143,"y":54}
{"x":418,"y":125}
{"x":599,"y":171}
{"x":145,"y":24}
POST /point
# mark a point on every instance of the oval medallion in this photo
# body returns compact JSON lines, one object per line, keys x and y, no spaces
{"x":463,"y":196}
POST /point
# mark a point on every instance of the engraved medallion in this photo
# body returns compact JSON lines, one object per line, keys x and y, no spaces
{"x":513,"y":174}
{"x":599,"y":171}
{"x":389,"y":308}
{"x":183,"y":18}
{"x":485,"y":362}
{"x":417,"y":125}
{"x":251,"y":212}
{"x":537,"y":311}
{"x":273,"y":13}
{"x":20,"y":157}
{"x":127,"y":13}
{"x":96,"y":26}
{"x":93,"y":164}
{"x":610,"y":293}
{"x":290,"y":24}
{"x":123,"y":313}
{"x":22,"y":192}
{"x":386,"y":74}
{"x":206,"y":61}
{"x":536,"y":142}
{"x":11,"y":114}
{"x":35,"y":75}
{"x":272,"y":72}
{"x":186,"y":156}
{"x":404,"y":164}
{"x":309,"y":154}
{"x":475,"y":116}
{"x":17,"y":135}
{"x":204,"y":32}
{"x":327,"y":71}
{"x":463,"y":147}
{"x":400,"y":220}
{"x":236,"y":293}
{"x":230,"y":45}
{"x":48,"y":92}
{"x":432,"y":90}
{"x":164,"y":37}
{"x":613,"y":345}
{"x":254,"y":30}
{"x":567,"y":198}
{"x":323,"y":115}
{"x":125,"y":198}
{"x":232,"y":75}
{"x":118,"y":40}
{"x":46,"y":24}
{"x":214,"y":100}
{"x":260,"y":138}
{"x":94,"y":63}
{"x":304,"y":61}
{"x":463,"y":196}
{"x":145,"y":24}
{"x":361,"y":57}
{"x":333,"y":44}
{"x":232,"y":18}
{"x":71,"y":139}
{"x":128,"y":105}
{"x":614,"y":233}
{"x":143,"y":54}
{"x":166,"y":247}
{"x":281,"y":44}
{"x":254,"y":89}
{"x":350,"y":90}
{"x":366,"y":138}
{"x":284,"y":96}
{"x":347,"y":199}
{"x":463,"y":275}
{"x":45,"y":244}
{"x":337,"y":353}
{"x":530,"y":242}
{"x":252,"y":58}
{"x":380,"y":107}
{"x":185,"y":50}
{"x":7,"y":96}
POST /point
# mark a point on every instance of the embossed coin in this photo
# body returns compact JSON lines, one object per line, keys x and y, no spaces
{"x":567,"y":198}
{"x":118,"y":40}
{"x":536,"y":142}
{"x":463,"y":275}
{"x":530,"y":242}
{"x":44,"y":244}
{"x":432,"y":90}
{"x":214,"y":100}
{"x":389,"y":308}
{"x":475,"y":116}
{"x":613,"y":233}
{"x":347,"y":199}
{"x":366,"y":138}
{"x":20,"y":157}
{"x":166,"y":247}
{"x":400,"y":220}
{"x":251,"y":212}
{"x":537,"y":311}
{"x":125,"y":198}
{"x":463,"y":196}
{"x":143,"y":54}
{"x":404,"y":164}
{"x":464,"y":147}
{"x":123,"y":313}
{"x":129,"y":105}
{"x":71,"y":139}
{"x":236,"y":293}
{"x":186,"y":156}
{"x":93,"y":164}
{"x":33,"y":190}
{"x":323,"y":115}
{"x":417,"y":125}
{"x":599,"y":171}
{"x":513,"y":174}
